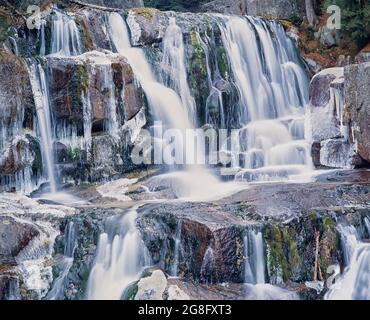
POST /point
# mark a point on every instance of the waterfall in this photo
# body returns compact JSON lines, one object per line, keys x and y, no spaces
{"x":354,"y":282}
{"x":254,"y":271}
{"x":65,"y":35}
{"x":121,"y":257}
{"x":174,"y":267}
{"x":273,"y":94}
{"x":41,"y":98}
{"x":173,"y":64}
{"x":166,"y":105}
{"x":207,"y":271}
{"x":70,"y":244}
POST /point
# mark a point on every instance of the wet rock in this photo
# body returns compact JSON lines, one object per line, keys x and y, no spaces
{"x":88,"y":225}
{"x":330,"y":124}
{"x":119,"y":4}
{"x":200,"y":229}
{"x":358,"y":101}
{"x":67,"y":82}
{"x":127,"y":88}
{"x":15,"y":92}
{"x":320,"y":86}
{"x":175,"y":293}
{"x":152,"y":287}
{"x":280,"y":9}
{"x":339,"y":153}
{"x":15,"y":235}
{"x":61,"y":153}
{"x":146,"y":26}
{"x":226,"y":7}
{"x":105,"y":158}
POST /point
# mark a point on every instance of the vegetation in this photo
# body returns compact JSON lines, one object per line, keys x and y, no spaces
{"x":355,"y":19}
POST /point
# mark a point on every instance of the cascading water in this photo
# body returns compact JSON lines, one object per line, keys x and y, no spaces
{"x":120,"y":259}
{"x":173,"y":64}
{"x":41,"y":98}
{"x":254,"y":258}
{"x":354,"y":283}
{"x":66,"y":263}
{"x":177,"y":239}
{"x":166,"y":105}
{"x":65,"y":35}
{"x":273,"y":94}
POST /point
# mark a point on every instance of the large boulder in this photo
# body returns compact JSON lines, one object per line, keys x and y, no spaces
{"x":14,"y":235}
{"x":119,"y":4}
{"x":222,"y":6}
{"x":357,"y":97}
{"x":333,"y":145}
{"x":281,"y":9}
{"x":16,"y":105}
{"x":210,"y":240}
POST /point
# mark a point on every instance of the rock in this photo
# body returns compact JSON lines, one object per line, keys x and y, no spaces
{"x":357,"y":81}
{"x":330,"y":126}
{"x":68,"y":79}
{"x":175,"y":293}
{"x":313,"y":66}
{"x":120,"y":4}
{"x":152,"y":287}
{"x":15,"y":236}
{"x":327,"y":37}
{"x":344,"y":61}
{"x":320,"y":86}
{"x":339,"y":153}
{"x":146,"y":26}
{"x":61,"y":153}
{"x":16,"y":157}
{"x":105,"y":158}
{"x":200,"y":230}
{"x":279,"y":9}
{"x":124,"y":80}
{"x":225,"y":7}
{"x":116,"y":189}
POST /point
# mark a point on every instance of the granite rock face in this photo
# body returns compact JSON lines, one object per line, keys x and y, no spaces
{"x":357,"y":86}
{"x":280,"y":9}
{"x":335,"y":115}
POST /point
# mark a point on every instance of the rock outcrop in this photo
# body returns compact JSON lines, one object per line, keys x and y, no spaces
{"x":339,"y":114}
{"x":280,"y":9}
{"x":229,"y":7}
{"x":357,"y":99}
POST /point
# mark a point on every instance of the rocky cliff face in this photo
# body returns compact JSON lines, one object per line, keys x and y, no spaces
{"x":280,"y":9}
{"x":94,"y":102}
{"x":339,"y":111}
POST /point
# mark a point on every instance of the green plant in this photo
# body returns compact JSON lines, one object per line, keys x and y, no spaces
{"x":355,"y":16}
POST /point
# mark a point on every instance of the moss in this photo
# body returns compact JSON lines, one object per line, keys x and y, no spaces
{"x":83,"y":80}
{"x":198,"y":58}
{"x":76,"y":154}
{"x":277,"y":262}
{"x":147,"y":13}
{"x":223,"y":63}
{"x":294,"y":258}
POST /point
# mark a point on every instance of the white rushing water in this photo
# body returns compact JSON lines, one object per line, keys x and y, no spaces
{"x":354,"y":282}
{"x":65,"y":35}
{"x":66,"y":263}
{"x":273,"y":91}
{"x":177,"y":239}
{"x":195,"y":182}
{"x":41,"y":98}
{"x":121,"y":257}
{"x":174,"y":67}
{"x":254,"y":270}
